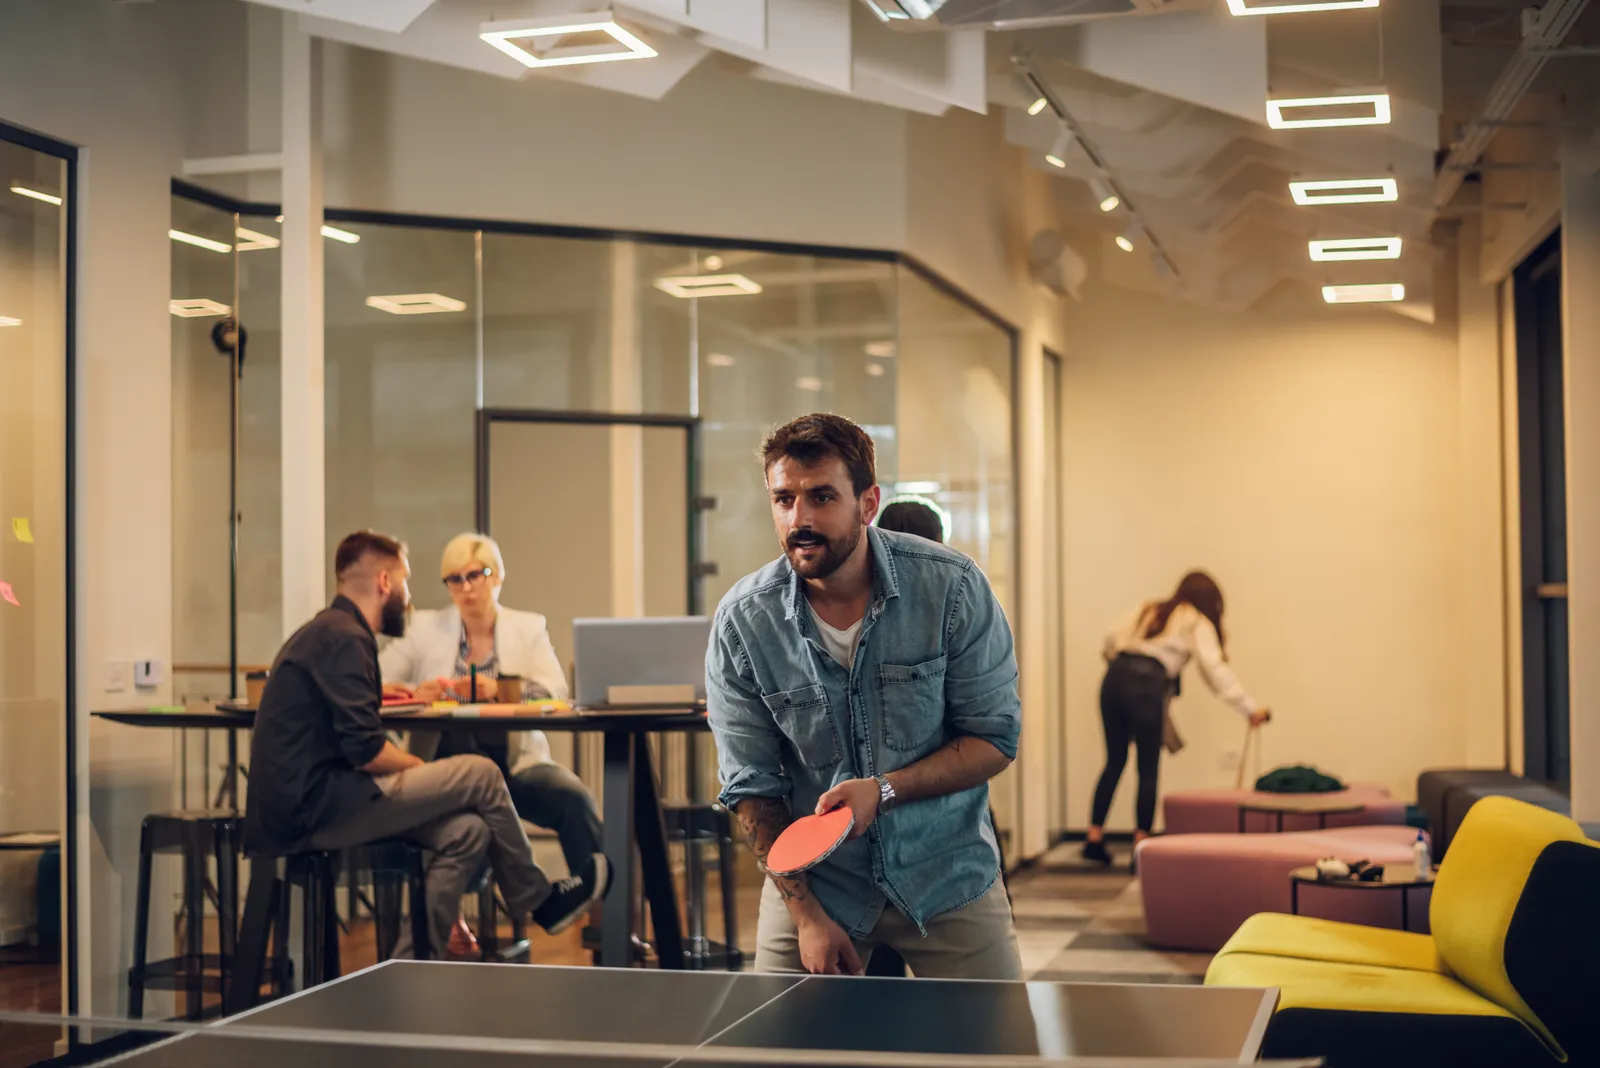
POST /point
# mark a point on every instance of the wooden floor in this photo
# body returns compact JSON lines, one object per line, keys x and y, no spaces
{"x":27,"y":987}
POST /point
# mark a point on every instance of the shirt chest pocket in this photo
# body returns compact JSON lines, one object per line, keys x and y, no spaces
{"x":912,"y":703}
{"x":802,"y":715}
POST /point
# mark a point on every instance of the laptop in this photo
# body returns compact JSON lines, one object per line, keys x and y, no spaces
{"x":640,"y":664}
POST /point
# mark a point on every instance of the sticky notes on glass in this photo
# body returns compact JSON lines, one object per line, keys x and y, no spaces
{"x":20,"y":527}
{"x":8,"y":594}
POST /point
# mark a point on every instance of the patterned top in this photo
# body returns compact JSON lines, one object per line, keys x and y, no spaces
{"x":492,"y":744}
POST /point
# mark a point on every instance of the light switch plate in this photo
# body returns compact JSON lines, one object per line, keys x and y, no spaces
{"x":148,"y":674}
{"x":119,"y":676}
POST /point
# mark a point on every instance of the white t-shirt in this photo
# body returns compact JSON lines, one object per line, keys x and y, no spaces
{"x":840,"y":644}
{"x":1187,"y":634}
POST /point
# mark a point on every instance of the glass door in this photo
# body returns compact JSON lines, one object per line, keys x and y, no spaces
{"x":35,"y":587}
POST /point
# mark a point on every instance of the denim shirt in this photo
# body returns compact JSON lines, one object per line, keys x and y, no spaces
{"x":934,"y":661}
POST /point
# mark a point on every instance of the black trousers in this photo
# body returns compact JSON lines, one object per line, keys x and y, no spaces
{"x":1133,"y":703}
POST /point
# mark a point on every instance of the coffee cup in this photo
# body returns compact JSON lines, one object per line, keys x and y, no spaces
{"x":510,"y":689}
{"x":254,"y":683}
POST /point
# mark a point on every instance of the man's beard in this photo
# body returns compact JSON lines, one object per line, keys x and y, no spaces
{"x":832,"y":557}
{"x":392,"y":621}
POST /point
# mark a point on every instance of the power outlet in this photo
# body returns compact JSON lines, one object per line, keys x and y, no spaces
{"x":1228,"y":760}
{"x":119,"y":676}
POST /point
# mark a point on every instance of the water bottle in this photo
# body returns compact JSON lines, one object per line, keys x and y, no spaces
{"x":1421,"y":858}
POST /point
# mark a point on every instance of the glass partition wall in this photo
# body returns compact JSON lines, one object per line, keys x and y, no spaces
{"x":428,"y":324}
{"x":35,"y":588}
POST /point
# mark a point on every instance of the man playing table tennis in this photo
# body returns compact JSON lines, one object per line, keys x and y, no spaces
{"x":871,"y":670}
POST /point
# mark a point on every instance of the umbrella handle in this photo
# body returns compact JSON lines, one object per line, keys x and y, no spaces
{"x":1244,"y":756}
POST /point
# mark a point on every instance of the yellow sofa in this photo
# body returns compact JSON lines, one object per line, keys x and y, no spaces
{"x":1510,"y":976}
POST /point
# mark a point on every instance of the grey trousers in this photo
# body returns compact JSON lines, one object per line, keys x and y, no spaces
{"x":459,"y":810}
{"x":976,"y":941}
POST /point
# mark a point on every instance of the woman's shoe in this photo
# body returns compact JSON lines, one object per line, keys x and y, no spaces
{"x":1097,"y":853}
{"x":463,"y":946}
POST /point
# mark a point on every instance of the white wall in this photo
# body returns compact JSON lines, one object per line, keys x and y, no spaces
{"x":1313,"y":460}
{"x":126,"y":85}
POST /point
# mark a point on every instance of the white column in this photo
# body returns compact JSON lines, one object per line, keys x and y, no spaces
{"x":1481,"y":615}
{"x":305,"y":557}
{"x":1034,"y":653}
{"x":627,"y":442}
{"x":1580,"y":281}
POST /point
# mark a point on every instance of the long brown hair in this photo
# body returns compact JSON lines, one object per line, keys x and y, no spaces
{"x":1197,"y":589}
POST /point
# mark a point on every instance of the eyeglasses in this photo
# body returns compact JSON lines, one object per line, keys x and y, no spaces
{"x":468,"y":578}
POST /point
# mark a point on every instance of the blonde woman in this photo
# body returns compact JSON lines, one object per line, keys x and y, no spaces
{"x":436,"y":659}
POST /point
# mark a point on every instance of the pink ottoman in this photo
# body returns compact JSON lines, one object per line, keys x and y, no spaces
{"x":1198,"y":888}
{"x":1217,"y":811}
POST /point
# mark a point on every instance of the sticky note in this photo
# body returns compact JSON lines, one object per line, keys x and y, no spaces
{"x":19,"y":527}
{"x":8,"y":594}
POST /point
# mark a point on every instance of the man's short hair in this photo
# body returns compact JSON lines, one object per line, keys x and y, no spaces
{"x":811,"y":439}
{"x":912,"y":517}
{"x":356,"y":547}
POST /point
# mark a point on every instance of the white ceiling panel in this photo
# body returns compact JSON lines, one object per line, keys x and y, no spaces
{"x":391,"y":16}
{"x":744,"y":21}
{"x":951,"y":67}
{"x":809,"y":39}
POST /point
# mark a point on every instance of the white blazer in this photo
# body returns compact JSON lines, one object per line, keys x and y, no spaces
{"x":522,"y":647}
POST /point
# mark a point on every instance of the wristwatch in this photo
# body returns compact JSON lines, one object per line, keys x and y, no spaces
{"x":886,"y":795}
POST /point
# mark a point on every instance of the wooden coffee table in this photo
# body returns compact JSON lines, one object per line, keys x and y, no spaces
{"x":1319,"y":805}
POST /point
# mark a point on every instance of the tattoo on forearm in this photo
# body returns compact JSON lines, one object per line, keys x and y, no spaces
{"x":763,"y":819}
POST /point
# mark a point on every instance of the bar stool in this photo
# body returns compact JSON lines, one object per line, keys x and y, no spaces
{"x":195,"y":835}
{"x":696,"y":826}
{"x":265,"y":924}
{"x":396,"y":865}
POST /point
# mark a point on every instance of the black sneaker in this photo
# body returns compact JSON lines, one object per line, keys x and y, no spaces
{"x":571,"y":897}
{"x":1097,"y":853}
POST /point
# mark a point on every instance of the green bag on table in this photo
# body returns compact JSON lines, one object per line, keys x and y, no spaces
{"x":1298,"y":779}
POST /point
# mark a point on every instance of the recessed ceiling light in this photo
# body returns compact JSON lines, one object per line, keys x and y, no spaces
{"x":540,"y":42}
{"x":197,"y":307}
{"x":691,"y":286}
{"x":6,"y":320}
{"x":278,"y":219}
{"x":713,"y":262}
{"x":1357,"y":109}
{"x":808,"y":383}
{"x":720,"y":359}
{"x":416,"y":304}
{"x":876,"y":370}
{"x":336,"y":234}
{"x":1291,"y":7}
{"x":36,"y":194}
{"x":250,"y":240}
{"x":1356,"y":248}
{"x":1038,"y":106}
{"x":881,"y":350}
{"x":1345,"y":191}
{"x":199,"y":242}
{"x":1364,"y":294}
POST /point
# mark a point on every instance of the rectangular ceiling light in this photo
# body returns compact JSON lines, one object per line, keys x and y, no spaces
{"x":1345,"y":191}
{"x":1387,"y":293}
{"x":1356,"y":248}
{"x":690,"y":286}
{"x":197,"y":307}
{"x":36,"y":194}
{"x":1305,"y":113}
{"x":416,"y":304}
{"x":337,"y":234}
{"x":900,"y":10}
{"x":250,"y":240}
{"x":566,"y":40}
{"x":199,"y":242}
{"x":1294,"y":7}
{"x":6,"y":320}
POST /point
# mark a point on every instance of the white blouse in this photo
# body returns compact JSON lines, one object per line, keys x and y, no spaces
{"x":1187,"y":634}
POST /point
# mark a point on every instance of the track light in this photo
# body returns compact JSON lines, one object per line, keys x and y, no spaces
{"x":1038,"y":106}
{"x":1128,"y":238}
{"x":1057,"y":156}
{"x":1104,"y":195}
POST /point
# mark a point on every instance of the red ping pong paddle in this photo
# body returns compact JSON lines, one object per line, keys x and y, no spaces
{"x":809,"y":840}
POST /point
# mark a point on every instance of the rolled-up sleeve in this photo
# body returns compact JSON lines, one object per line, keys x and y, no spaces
{"x":980,"y":689}
{"x":347,"y":674}
{"x":749,"y":743}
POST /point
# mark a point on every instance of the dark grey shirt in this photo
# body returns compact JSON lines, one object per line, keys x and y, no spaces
{"x":317,"y":724}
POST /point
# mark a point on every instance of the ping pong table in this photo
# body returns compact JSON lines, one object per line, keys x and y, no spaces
{"x":417,"y":1014}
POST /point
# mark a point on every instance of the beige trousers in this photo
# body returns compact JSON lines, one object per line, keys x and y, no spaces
{"x":975,"y":941}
